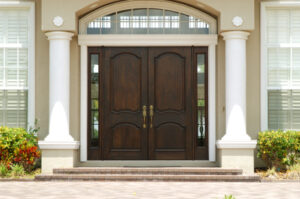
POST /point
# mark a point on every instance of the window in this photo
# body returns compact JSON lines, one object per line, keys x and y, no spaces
{"x":148,"y":21}
{"x":281,"y":47}
{"x":15,"y":55}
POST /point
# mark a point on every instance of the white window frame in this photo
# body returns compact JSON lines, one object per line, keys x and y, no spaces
{"x":264,"y":58}
{"x":31,"y":55}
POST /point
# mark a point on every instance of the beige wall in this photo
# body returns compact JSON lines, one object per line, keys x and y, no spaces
{"x":69,"y":9}
{"x":41,"y":74}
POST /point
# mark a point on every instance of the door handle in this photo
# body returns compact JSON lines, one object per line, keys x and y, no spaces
{"x":144,"y":116}
{"x":151,"y":115}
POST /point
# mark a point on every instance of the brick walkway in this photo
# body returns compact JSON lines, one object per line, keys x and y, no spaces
{"x":151,"y":190}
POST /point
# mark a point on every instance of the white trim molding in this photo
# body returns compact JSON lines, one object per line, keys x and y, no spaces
{"x":148,"y":40}
{"x":236,"y":144}
{"x":264,"y":55}
{"x":58,"y":145}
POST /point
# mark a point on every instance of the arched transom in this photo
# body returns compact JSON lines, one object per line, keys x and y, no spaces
{"x":147,"y":17}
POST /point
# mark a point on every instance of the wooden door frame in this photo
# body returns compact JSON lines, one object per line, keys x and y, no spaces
{"x":209,"y":41}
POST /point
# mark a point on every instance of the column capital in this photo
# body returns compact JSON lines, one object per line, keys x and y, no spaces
{"x":235,"y":35}
{"x":59,"y":35}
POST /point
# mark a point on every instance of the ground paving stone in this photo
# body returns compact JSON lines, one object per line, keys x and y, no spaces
{"x":147,"y":190}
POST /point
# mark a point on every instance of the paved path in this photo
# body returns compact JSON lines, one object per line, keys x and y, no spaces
{"x":151,"y":190}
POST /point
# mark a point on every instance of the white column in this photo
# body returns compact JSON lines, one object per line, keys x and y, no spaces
{"x":235,"y":55}
{"x":59,"y":90}
{"x":236,"y":149}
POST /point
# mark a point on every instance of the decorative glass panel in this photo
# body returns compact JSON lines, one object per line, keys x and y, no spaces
{"x":94,"y":100}
{"x":201,"y":100}
{"x":147,"y":21}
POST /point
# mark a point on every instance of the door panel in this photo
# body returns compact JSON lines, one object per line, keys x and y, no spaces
{"x":170,"y":93}
{"x":125,"y":88}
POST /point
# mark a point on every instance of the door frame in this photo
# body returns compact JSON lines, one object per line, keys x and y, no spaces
{"x":86,"y":41}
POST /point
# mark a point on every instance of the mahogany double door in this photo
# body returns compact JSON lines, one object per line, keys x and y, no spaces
{"x":146,"y":104}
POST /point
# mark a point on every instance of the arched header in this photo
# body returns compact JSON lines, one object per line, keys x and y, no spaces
{"x":147,"y":17}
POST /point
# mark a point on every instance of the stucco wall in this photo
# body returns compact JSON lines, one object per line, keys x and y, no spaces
{"x":225,"y":11}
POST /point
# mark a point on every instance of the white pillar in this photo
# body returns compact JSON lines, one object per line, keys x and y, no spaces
{"x":59,"y":86}
{"x":59,"y":137}
{"x":236,"y":137}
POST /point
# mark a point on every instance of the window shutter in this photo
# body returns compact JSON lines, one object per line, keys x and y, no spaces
{"x":296,"y":68}
{"x":295,"y":26}
{"x":295,"y":106}
{"x":278,"y":67}
{"x":278,"y":109}
{"x":278,"y":26}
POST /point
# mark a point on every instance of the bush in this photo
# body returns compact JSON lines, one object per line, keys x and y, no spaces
{"x":17,"y":170}
{"x":279,"y":149}
{"x":18,"y":147}
{"x":3,"y":170}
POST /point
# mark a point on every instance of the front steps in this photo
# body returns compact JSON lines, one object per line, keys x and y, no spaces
{"x":187,"y":174}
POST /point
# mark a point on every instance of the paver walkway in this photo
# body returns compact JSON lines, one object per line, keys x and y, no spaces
{"x":151,"y":190}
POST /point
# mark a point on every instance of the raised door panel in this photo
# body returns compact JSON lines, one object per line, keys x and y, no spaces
{"x":170,"y":137}
{"x":125,"y":88}
{"x":125,"y":81}
{"x":169,"y":95}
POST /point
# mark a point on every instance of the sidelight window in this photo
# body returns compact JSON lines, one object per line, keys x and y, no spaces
{"x":94,"y":100}
{"x":201,"y":102}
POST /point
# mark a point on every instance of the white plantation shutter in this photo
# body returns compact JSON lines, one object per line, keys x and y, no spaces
{"x":14,"y":34}
{"x":283,"y":62}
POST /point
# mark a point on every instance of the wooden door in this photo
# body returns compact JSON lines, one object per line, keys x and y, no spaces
{"x":170,"y":97}
{"x":153,"y":103}
{"x":125,"y":95}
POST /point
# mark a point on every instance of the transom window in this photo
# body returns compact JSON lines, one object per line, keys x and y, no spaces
{"x":162,"y":18}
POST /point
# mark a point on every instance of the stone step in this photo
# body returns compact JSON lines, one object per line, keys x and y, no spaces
{"x":150,"y":171}
{"x":126,"y":177}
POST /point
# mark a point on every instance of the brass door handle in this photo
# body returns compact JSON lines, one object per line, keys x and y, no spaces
{"x":151,"y":113}
{"x":144,"y":116}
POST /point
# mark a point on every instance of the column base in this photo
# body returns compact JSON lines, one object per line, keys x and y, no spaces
{"x":58,"y":155}
{"x":237,"y":155}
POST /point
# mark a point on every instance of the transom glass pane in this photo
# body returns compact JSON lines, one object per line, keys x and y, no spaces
{"x":147,"y":21}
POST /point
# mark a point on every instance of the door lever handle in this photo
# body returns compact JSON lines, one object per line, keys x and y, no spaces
{"x":151,"y":115}
{"x":144,"y":116}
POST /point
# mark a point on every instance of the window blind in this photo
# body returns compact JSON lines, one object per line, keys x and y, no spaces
{"x":14,"y":31}
{"x":283,"y":51}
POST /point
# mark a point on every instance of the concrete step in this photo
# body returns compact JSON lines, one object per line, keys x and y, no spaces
{"x":150,"y":171}
{"x":128,"y":177}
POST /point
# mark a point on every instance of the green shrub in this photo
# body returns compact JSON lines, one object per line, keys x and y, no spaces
{"x":279,"y":149}
{"x":3,"y":170}
{"x":17,"y":170}
{"x":229,"y":197}
{"x":18,"y":147}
